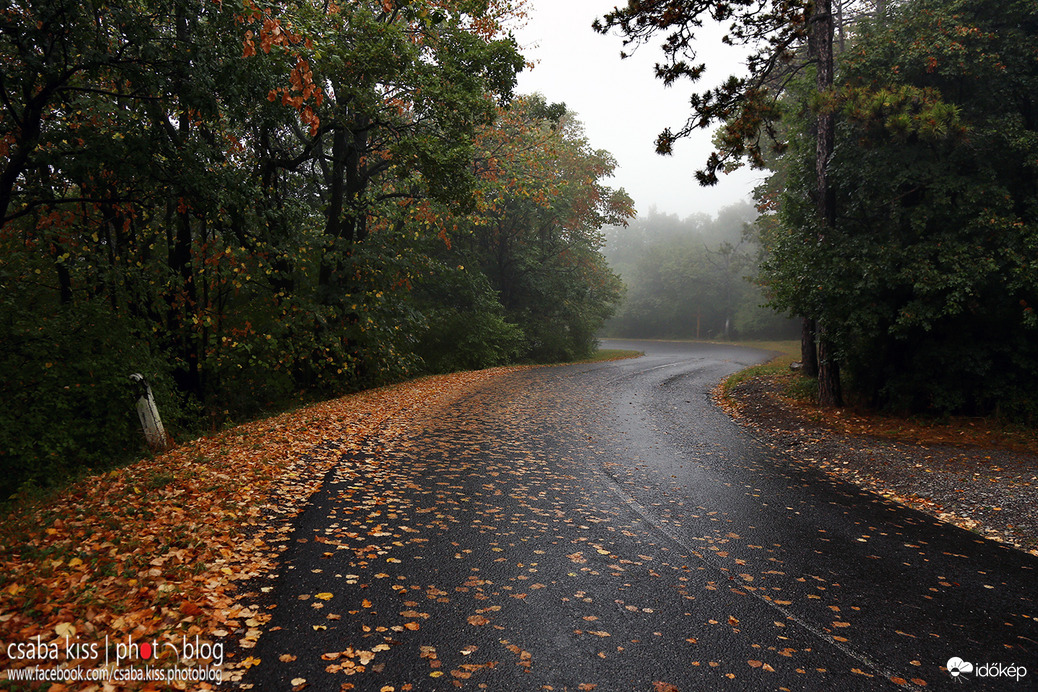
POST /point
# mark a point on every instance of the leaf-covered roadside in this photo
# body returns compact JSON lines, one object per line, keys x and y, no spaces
{"x":968,"y":475}
{"x":159,"y":549}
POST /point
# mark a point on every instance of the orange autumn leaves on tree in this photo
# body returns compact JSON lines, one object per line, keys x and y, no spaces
{"x":274,"y":28}
{"x":537,"y":153}
{"x":302,"y":93}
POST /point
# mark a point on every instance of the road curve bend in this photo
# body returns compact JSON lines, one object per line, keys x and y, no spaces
{"x":605,"y":527}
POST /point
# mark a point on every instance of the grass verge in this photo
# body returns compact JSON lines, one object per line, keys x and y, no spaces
{"x":606,"y":354}
{"x":776,"y":370}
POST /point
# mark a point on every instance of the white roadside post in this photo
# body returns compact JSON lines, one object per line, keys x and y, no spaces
{"x":149,"y":414}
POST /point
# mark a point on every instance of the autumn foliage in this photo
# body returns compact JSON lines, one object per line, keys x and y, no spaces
{"x":161,"y":549}
{"x":246,"y":202}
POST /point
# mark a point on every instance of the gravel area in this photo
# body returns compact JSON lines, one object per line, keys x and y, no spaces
{"x":988,"y":491}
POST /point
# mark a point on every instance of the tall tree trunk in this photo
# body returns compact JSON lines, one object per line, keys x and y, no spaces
{"x":181,"y":257}
{"x":829,"y":392}
{"x":808,"y":352}
{"x":29,"y":133}
{"x":344,"y":217}
{"x":333,"y":227}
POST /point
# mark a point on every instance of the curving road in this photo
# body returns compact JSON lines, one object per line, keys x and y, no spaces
{"x":605,"y":527}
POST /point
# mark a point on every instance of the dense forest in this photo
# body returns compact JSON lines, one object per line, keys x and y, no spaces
{"x":926,"y":281}
{"x":900,"y":219}
{"x":692,"y":278}
{"x":252,"y":202}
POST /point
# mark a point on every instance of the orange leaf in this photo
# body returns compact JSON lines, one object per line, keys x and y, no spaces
{"x":190,"y":609}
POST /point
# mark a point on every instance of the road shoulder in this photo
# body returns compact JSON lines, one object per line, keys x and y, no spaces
{"x":991,"y":492}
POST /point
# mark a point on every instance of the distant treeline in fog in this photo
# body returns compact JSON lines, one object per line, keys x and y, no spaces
{"x":692,"y":278}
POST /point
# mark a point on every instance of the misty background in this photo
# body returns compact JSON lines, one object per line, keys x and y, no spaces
{"x":692,"y":278}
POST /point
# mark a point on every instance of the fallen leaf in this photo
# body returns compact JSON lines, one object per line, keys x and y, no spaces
{"x":664,"y":687}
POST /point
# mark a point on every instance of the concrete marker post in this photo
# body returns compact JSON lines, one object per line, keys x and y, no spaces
{"x":154,"y":433}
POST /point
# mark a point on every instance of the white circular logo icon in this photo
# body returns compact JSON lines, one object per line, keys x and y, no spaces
{"x":956,"y":666}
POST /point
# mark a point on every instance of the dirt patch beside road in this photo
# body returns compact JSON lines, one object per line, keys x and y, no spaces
{"x":990,"y":491}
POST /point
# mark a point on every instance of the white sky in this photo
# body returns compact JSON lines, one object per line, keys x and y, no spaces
{"x":624,"y":107}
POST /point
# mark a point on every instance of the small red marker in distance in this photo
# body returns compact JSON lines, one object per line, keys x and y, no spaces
{"x":146,"y":651}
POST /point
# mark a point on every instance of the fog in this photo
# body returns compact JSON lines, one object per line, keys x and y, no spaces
{"x":691,"y":278}
{"x":624,"y":107}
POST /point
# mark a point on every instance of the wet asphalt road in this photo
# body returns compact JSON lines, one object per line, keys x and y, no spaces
{"x":606,"y":527}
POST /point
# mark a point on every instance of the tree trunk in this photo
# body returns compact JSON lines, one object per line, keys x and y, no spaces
{"x":808,"y":353}
{"x":345,"y":219}
{"x":829,"y":393}
{"x":333,"y":222}
{"x":30,"y":130}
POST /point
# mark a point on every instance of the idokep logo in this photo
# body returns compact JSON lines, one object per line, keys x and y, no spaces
{"x":960,"y":670}
{"x":957,"y":667}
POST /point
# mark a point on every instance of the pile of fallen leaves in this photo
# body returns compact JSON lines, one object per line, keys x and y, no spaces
{"x":157,"y":551}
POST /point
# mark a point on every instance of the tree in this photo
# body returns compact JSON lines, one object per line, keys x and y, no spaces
{"x":820,"y":44}
{"x":208,"y":177}
{"x":536,"y":232}
{"x":746,"y":105}
{"x":926,"y":293}
{"x":388,"y":97}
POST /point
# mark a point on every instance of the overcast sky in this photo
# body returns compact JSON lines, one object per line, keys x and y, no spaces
{"x":624,"y":107}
